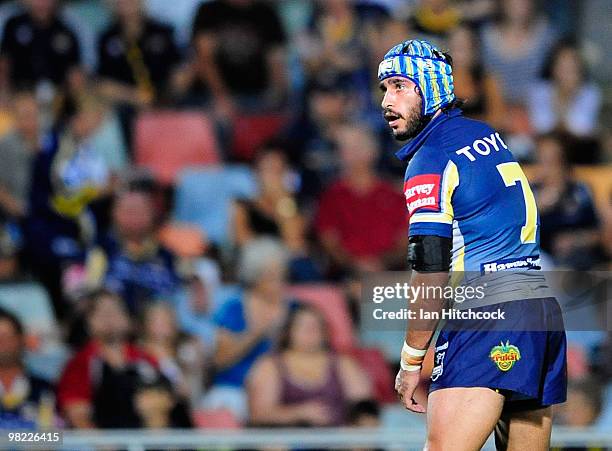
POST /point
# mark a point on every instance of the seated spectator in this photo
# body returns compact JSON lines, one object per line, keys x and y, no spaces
{"x":38,"y":47}
{"x":336,"y":41}
{"x":180,"y":357}
{"x":514,"y":49}
{"x":99,"y":384}
{"x":158,"y":406}
{"x":240,"y":55}
{"x":311,"y":137}
{"x":196,"y":303}
{"x":129,"y":259}
{"x":136,"y":56}
{"x":569,"y":229}
{"x":361,"y":222}
{"x":435,"y":18}
{"x":275,"y":213}
{"x":473,"y":83}
{"x":248,"y":326}
{"x":305,"y":383}
{"x":566,"y":101}
{"x":17,"y":152}
{"x":583,"y":404}
{"x":365,"y":414}
{"x":68,"y":176}
{"x":27,"y":402}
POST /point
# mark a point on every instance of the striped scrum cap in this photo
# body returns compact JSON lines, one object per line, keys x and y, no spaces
{"x":426,"y":66}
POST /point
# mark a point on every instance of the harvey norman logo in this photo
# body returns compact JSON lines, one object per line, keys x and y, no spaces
{"x":422,"y":191}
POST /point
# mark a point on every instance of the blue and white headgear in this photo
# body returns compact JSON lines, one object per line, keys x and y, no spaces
{"x":424,"y":65}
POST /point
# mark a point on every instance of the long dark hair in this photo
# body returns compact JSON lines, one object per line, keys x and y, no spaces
{"x":284,"y":341}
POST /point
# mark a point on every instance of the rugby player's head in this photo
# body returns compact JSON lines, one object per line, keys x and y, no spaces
{"x":416,"y":79}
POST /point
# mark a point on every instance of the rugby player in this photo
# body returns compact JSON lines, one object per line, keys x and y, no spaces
{"x":471,"y":212}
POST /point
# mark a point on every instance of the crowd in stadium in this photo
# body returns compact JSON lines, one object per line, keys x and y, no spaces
{"x":152,"y":285}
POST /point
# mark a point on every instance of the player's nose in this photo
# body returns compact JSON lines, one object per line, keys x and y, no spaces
{"x":386,"y":101}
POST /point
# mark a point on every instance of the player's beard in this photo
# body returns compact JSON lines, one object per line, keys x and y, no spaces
{"x":415,"y":122}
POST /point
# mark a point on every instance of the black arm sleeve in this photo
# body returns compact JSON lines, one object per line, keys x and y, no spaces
{"x":429,"y":253}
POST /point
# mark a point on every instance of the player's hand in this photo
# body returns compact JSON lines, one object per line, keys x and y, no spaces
{"x":406,"y":383}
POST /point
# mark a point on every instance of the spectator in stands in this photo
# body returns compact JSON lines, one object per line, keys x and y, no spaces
{"x":240,"y":55}
{"x":136,"y":56}
{"x":361,"y":222}
{"x":483,"y":98}
{"x":248,"y":326}
{"x":158,"y":406}
{"x":514,"y":48}
{"x":364,"y":413}
{"x":435,"y":18}
{"x":17,"y":152}
{"x":335,"y":43}
{"x":129,"y":259}
{"x":196,"y":302}
{"x":583,"y":404}
{"x":569,"y":223}
{"x":305,"y":383}
{"x":68,"y":176}
{"x":274,"y":212}
{"x":330,"y":102}
{"x":26,"y":401}
{"x":180,"y":357}
{"x":38,"y":47}
{"x":99,"y":382}
{"x":566,"y":101}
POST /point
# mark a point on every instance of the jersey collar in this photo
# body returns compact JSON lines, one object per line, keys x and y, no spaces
{"x":406,"y":152}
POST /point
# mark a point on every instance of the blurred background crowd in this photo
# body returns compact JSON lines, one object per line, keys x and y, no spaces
{"x":191,"y":191}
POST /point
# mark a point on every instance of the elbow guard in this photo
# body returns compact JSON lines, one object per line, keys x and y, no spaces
{"x":429,"y":253}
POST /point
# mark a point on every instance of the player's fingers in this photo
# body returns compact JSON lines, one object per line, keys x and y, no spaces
{"x":413,"y":406}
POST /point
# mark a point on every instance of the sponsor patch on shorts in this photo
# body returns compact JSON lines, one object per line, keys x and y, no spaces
{"x":505,"y":355}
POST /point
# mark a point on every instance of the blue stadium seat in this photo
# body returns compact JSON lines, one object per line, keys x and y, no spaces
{"x":204,"y":195}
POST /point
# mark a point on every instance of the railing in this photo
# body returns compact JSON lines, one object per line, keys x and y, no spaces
{"x":341,"y":438}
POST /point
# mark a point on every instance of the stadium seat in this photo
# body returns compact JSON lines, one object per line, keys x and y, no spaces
{"x":166,"y":142}
{"x":215,"y":419}
{"x":203,"y":198}
{"x":184,"y":240}
{"x":332,"y":304}
{"x":252,"y":131}
{"x":372,"y":360}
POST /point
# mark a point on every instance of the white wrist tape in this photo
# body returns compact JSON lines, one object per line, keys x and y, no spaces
{"x":411,"y":358}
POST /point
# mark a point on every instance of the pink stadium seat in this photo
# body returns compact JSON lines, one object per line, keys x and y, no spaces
{"x":331,"y":302}
{"x":168,"y":141}
{"x":252,"y":131}
{"x":372,"y":360}
{"x":215,"y":419}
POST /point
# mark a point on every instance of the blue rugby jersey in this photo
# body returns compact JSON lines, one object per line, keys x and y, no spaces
{"x":463,"y":182}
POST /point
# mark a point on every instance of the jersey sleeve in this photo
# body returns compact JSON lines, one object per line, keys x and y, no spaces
{"x":431,"y":180}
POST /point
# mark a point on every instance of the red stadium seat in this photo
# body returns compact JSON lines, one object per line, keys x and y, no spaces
{"x":215,"y":419}
{"x":372,"y":360}
{"x":168,"y":141}
{"x":250,"y":132}
{"x":331,"y":302}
